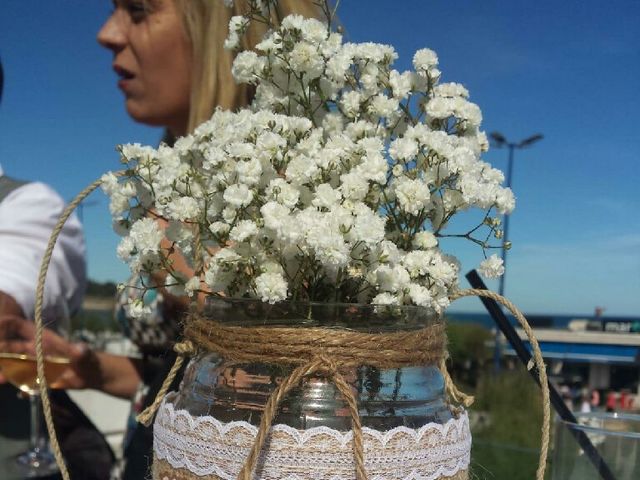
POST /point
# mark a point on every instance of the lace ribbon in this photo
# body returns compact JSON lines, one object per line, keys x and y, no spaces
{"x":205,"y":446}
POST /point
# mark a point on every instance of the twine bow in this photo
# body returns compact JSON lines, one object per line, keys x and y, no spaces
{"x":328,"y":368}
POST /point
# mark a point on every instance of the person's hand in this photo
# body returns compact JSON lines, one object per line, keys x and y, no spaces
{"x":17,"y":335}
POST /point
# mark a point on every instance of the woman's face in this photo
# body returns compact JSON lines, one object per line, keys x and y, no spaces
{"x":152,"y":58}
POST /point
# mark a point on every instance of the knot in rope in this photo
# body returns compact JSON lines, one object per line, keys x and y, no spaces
{"x":185,"y":348}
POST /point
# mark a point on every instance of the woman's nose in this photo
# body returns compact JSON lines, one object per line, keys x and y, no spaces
{"x":112,"y":35}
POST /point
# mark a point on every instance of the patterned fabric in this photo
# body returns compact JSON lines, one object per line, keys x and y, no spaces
{"x":153,"y":333}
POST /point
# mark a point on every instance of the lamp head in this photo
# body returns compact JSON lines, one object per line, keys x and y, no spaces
{"x":530,"y":141}
{"x":498,"y":139}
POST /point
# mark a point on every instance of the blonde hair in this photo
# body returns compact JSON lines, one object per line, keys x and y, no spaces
{"x":207,"y":23}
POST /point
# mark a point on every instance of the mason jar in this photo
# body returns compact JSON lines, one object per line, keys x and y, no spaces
{"x":404,"y":410}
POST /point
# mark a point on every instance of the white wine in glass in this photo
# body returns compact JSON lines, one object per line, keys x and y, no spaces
{"x":21,"y":370}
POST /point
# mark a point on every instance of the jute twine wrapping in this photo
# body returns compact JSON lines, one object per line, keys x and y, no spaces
{"x":163,"y":469}
{"x":321,"y":361}
{"x":296,"y":346}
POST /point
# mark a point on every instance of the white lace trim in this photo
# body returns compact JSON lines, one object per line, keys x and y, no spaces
{"x":206,"y":446}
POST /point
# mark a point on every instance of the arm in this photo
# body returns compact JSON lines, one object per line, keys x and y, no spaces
{"x":112,"y":374}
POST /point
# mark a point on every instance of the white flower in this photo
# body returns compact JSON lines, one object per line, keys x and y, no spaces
{"x":219,"y":228}
{"x":182,"y":208}
{"x":109,"y":183}
{"x":385,"y":299}
{"x":306,"y":59}
{"x":249,"y":171}
{"x":425,"y":59}
{"x":368,"y":226}
{"x":400,"y":83}
{"x":491,"y":267}
{"x":243,"y":230}
{"x":137,"y":309}
{"x":247,"y":67}
{"x":413,"y":195}
{"x":425,"y":240}
{"x":271,"y":287}
{"x":146,"y":235}
{"x":420,"y":295}
{"x":338,"y":65}
{"x":326,"y":196}
{"x":441,"y":272}
{"x":282,"y":192}
{"x":374,"y":168}
{"x":382,"y":106}
{"x":417,"y":263}
{"x":302,"y":169}
{"x":126,"y":249}
{"x":505,"y":201}
{"x":314,"y":30}
{"x":450,"y":90}
{"x":439,"y":107}
{"x":392,"y":279}
{"x":275,"y":215}
{"x":237,"y":25}
{"x":354,"y":187}
{"x":293,"y":22}
{"x":350,"y":103}
{"x":403,"y":149}
{"x":238,"y":195}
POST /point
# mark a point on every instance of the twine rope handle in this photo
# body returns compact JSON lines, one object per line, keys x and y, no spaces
{"x":183,"y":349}
{"x":44,"y":267}
{"x":453,"y":392}
{"x":537,"y":361}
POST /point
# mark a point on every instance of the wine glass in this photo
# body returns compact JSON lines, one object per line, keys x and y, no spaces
{"x":21,"y":371}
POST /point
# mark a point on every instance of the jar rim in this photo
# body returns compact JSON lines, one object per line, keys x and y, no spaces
{"x":352,"y":316}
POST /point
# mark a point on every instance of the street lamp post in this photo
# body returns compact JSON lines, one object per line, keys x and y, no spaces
{"x":500,"y":141}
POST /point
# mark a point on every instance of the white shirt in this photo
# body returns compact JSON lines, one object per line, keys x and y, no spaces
{"x":27,"y":218}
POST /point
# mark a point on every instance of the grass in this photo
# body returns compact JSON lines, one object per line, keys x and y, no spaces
{"x":506,"y":438}
{"x":507,"y":446}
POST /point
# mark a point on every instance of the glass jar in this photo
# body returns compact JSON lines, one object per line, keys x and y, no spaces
{"x":409,"y":396}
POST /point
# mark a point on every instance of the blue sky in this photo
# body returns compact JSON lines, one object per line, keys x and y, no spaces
{"x":566,"y":69}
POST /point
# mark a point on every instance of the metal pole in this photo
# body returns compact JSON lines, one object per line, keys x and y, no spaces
{"x":497,"y":351}
{"x":501,"y":141}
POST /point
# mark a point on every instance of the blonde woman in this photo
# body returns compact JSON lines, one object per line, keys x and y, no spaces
{"x":174,"y":72}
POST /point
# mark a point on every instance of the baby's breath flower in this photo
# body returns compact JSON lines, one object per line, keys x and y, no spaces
{"x":340,"y":176}
{"x":271,"y":287}
{"x":492,"y":267}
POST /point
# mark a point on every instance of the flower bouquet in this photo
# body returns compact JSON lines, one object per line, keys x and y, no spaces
{"x":311,"y":222}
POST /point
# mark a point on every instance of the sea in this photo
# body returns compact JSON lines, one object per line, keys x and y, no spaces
{"x":544,"y":321}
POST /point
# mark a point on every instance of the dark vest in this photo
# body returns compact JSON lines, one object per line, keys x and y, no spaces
{"x":8,"y":185}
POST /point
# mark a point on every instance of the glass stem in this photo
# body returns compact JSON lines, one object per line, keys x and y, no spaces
{"x":35,"y":439}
